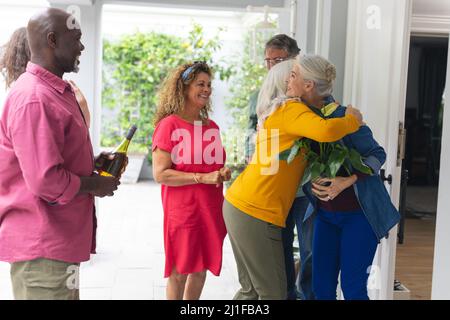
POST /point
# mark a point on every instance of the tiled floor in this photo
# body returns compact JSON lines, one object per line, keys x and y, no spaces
{"x":130,"y":259}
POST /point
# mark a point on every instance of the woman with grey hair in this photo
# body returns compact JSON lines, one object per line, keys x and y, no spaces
{"x":353,"y":211}
{"x":273,"y":91}
{"x":272,"y":96}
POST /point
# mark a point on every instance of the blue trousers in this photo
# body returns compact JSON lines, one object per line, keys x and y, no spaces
{"x":305,"y":232}
{"x":345,"y":242}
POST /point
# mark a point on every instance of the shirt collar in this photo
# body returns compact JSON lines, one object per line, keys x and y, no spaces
{"x":54,"y":81}
{"x":330,"y":106}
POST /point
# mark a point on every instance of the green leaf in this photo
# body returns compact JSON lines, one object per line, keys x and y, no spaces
{"x":306,"y":175}
{"x":327,"y":173}
{"x":335,"y":161}
{"x":357,"y":163}
{"x":284,"y":155}
{"x":317,"y":169}
{"x":294,"y":151}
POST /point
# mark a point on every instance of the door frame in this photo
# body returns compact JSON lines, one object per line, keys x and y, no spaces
{"x":439,"y":26}
{"x":430,"y":25}
{"x":382,"y":276}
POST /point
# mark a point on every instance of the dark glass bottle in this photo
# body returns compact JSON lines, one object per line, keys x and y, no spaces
{"x":112,"y":168}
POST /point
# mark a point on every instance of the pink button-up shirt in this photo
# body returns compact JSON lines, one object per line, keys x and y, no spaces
{"x":44,"y":149}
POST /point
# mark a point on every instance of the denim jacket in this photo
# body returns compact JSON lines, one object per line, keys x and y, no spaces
{"x":370,"y":191}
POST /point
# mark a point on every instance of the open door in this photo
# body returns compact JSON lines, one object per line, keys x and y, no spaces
{"x":419,"y":192}
{"x":378,"y":34}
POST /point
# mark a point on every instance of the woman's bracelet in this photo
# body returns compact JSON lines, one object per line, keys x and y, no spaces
{"x":196,"y":178}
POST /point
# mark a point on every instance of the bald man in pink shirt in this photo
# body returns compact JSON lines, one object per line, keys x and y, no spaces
{"x":47,"y":179}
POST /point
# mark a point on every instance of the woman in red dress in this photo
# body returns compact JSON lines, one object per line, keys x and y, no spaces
{"x":188,"y":162}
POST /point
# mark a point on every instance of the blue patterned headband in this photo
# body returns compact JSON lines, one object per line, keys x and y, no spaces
{"x":188,"y":71}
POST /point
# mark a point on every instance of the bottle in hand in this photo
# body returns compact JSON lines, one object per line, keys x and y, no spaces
{"x":113,"y":168}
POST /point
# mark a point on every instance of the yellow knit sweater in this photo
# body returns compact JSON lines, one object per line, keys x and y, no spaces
{"x":266,"y":188}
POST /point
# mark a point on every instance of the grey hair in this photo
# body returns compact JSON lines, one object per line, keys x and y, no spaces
{"x":319,"y":70}
{"x":284,"y":42}
{"x":273,"y":90}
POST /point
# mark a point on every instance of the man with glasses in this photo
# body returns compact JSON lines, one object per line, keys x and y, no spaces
{"x":280,"y":48}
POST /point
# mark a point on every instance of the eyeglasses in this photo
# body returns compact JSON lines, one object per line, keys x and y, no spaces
{"x":195,"y":65}
{"x":274,"y":61}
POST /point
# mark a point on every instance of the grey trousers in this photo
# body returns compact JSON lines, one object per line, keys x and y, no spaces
{"x":258,"y":251}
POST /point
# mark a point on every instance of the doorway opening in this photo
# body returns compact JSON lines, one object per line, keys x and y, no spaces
{"x":147,"y":42}
{"x":423,"y":123}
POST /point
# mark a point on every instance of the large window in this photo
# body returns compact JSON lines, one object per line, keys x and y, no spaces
{"x":141,"y":45}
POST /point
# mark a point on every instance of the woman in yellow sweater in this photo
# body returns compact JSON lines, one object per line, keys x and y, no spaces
{"x":258,"y":202}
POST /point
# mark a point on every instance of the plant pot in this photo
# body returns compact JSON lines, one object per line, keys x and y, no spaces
{"x":134,"y":167}
{"x":147,"y":171}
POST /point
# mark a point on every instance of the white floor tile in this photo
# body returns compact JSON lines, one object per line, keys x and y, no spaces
{"x":130,"y":246}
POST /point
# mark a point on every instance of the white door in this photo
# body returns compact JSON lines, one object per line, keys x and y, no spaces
{"x":441,"y":265}
{"x":378,"y":34}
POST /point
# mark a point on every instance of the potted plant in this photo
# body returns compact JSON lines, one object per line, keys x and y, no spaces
{"x":325,"y":160}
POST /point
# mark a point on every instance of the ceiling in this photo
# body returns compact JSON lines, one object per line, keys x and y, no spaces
{"x":214,"y":3}
{"x":431,"y":7}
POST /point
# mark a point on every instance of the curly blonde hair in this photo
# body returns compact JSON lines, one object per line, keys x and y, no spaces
{"x":171,"y":96}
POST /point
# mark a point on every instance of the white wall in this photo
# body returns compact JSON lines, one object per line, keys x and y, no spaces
{"x":337,"y":45}
{"x":322,"y":29}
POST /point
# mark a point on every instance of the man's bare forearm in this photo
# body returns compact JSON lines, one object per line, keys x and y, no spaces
{"x":88,"y":185}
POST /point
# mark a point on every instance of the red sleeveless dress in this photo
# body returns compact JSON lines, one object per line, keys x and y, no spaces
{"x":194,"y":229}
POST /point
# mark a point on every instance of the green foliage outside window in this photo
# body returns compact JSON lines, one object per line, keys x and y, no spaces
{"x":134,"y":68}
